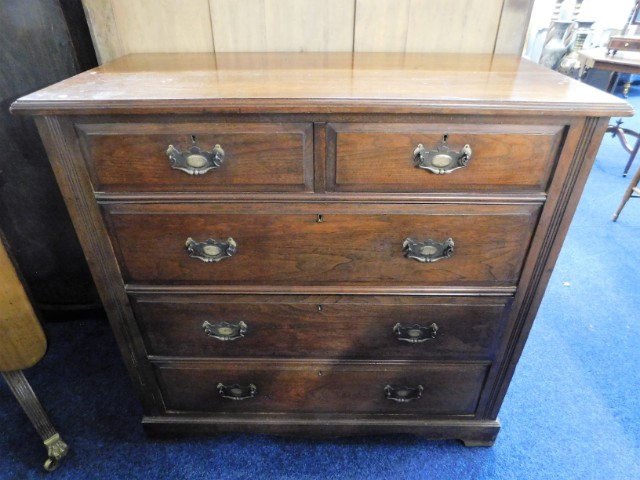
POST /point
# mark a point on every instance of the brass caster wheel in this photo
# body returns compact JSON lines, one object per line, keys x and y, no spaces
{"x":51,"y":464}
{"x":57,"y":450}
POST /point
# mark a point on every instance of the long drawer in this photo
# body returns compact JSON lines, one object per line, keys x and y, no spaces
{"x":340,"y":327}
{"x":252,"y":157}
{"x":370,"y":157}
{"x":321,"y":387}
{"x":262,"y":244}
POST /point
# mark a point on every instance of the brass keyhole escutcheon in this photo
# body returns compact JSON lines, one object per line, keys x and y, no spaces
{"x":441,"y":159}
{"x":194,"y":160}
{"x":319,"y":218}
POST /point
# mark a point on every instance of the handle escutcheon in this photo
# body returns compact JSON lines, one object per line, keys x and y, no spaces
{"x":237,"y":392}
{"x":415,"y":333}
{"x":441,"y":160}
{"x":225,"y":331}
{"x":403,"y":394}
{"x":211,"y":250}
{"x":195,"y":161}
{"x":428,"y":251}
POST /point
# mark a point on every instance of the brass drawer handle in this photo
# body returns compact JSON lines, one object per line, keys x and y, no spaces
{"x":428,"y":251}
{"x":237,"y":392}
{"x":211,"y":250}
{"x":403,"y":394}
{"x":194,"y":160}
{"x":225,"y":331}
{"x":415,"y":333}
{"x":441,"y":160}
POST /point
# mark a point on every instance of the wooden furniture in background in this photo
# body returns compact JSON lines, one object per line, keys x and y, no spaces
{"x":120,"y":27}
{"x":625,"y":44}
{"x":22,"y":345}
{"x":322,"y":244}
{"x":596,"y":63}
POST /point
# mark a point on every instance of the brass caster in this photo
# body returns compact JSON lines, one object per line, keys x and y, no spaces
{"x":57,"y":450}
{"x":51,"y":464}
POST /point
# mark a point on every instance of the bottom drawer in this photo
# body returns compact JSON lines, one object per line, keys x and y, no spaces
{"x":322,"y":387}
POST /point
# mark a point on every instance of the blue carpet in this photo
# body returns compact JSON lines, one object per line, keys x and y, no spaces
{"x":572,"y":412}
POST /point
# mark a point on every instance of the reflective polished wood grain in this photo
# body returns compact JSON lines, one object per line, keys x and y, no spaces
{"x":323,"y":82}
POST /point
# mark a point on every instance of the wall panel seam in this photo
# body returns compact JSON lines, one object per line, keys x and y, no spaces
{"x":213,"y":37}
{"x":495,"y":40}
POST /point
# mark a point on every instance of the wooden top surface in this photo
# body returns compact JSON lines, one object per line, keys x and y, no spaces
{"x":321,"y":82}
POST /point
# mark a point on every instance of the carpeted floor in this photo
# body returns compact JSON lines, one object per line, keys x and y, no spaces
{"x":572,"y":412}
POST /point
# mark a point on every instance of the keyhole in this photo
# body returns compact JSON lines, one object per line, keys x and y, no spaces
{"x":319,"y":308}
{"x":320,"y":218}
{"x":445,"y":137}
{"x":193,"y":139}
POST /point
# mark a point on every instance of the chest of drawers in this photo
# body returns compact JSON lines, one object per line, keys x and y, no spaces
{"x":321,"y":244}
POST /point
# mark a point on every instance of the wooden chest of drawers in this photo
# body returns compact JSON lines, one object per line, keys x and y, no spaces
{"x":321,"y":244}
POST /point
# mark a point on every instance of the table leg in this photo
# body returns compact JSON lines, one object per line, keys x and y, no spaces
{"x":622,"y":133}
{"x":631,"y":189}
{"x":56,"y":448}
{"x":634,"y":152}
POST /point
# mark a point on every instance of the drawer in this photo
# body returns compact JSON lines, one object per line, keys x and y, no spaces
{"x":268,"y":157}
{"x":364,"y":157}
{"x":321,"y":387}
{"x":345,"y":327}
{"x":345,"y":244}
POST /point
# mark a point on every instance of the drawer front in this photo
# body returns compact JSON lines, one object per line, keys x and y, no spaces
{"x":380,"y":157}
{"x":321,"y":387}
{"x":269,"y":157}
{"x":280,"y":248}
{"x":346,"y":327}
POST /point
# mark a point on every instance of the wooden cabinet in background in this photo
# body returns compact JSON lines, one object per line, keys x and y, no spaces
{"x":322,"y":244}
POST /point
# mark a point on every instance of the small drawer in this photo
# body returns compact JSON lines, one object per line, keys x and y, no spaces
{"x":251,"y":157}
{"x":381,"y":158}
{"x":271,"y":244}
{"x":321,"y":387}
{"x":345,"y":327}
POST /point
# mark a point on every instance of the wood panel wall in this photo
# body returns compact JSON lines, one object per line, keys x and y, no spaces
{"x":120,"y":27}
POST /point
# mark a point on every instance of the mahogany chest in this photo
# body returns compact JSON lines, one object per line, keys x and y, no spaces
{"x":321,"y":244}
